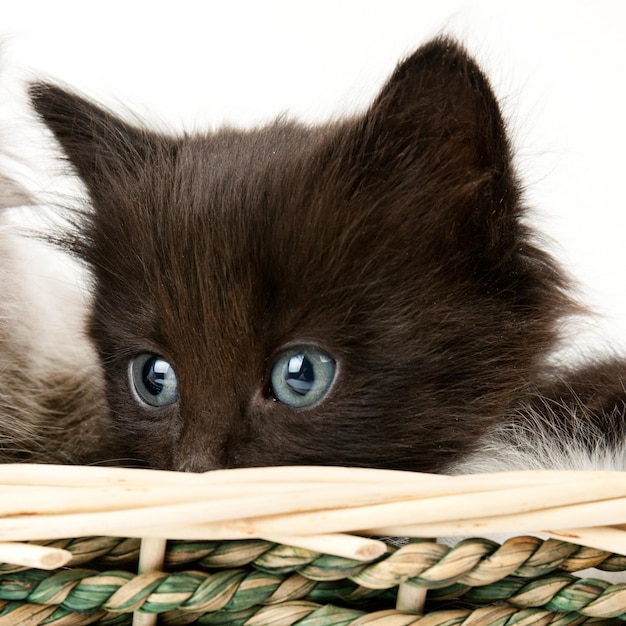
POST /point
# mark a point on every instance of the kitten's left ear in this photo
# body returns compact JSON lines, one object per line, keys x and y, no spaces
{"x":434,"y":141}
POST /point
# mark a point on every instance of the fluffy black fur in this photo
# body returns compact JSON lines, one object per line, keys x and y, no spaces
{"x":394,"y":241}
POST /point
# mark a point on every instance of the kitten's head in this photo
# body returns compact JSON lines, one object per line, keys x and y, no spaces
{"x":361,"y":293}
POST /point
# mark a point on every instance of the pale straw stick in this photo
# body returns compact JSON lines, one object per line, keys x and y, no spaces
{"x":36,"y":500}
{"x":33,"y":555}
{"x":324,"y":513}
{"x":411,"y":598}
{"x":15,"y":500}
{"x":61,"y":475}
{"x":385,"y":478}
{"x":86,"y":476}
{"x":151,"y":555}
{"x":514,"y":503}
{"x":201,"y":509}
{"x":347,"y":546}
{"x":138,"y":520}
{"x":609,"y":538}
{"x":151,"y":559}
{"x":220,"y":502}
{"x":591,"y":514}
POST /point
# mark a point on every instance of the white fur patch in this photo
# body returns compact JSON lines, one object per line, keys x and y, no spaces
{"x":537,"y":442}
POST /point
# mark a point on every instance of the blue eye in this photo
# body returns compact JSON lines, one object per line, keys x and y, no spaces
{"x":302,"y":377}
{"x":153,"y":379}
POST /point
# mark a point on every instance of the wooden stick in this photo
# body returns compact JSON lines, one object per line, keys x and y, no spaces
{"x":36,"y":500}
{"x":411,"y":598}
{"x":86,"y":476}
{"x":611,"y":539}
{"x":33,"y":555}
{"x":275,"y":502}
{"x":151,"y":559}
{"x":432,"y":512}
{"x":17,"y":500}
{"x":591,"y":514}
{"x":61,"y":475}
{"x":347,"y":546}
{"x":325,"y":512}
{"x":151,"y":555}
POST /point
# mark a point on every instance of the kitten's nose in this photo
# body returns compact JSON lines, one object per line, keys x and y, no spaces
{"x":205,"y":442}
{"x":196,"y":464}
{"x":198,"y":460}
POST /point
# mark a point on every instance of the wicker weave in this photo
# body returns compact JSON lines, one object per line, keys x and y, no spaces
{"x":524,"y":581}
{"x":257,"y":582}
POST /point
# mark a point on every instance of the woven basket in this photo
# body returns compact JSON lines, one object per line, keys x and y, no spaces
{"x":294,"y":545}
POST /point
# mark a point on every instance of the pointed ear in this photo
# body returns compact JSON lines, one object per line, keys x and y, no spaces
{"x":99,"y":145}
{"x":434,"y":139}
{"x":439,"y":98}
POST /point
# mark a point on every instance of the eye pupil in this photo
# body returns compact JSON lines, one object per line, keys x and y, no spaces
{"x":153,"y":380}
{"x":154,"y":373}
{"x":302,"y":377}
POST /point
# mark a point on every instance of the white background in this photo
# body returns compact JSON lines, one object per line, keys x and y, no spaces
{"x":558,"y":67}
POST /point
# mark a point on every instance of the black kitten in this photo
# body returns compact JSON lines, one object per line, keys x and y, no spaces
{"x":361,"y":293}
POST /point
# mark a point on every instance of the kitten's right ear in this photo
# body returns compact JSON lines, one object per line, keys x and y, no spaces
{"x":97,"y":143}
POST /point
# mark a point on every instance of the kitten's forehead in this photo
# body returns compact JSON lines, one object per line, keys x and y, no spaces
{"x":255,"y":193}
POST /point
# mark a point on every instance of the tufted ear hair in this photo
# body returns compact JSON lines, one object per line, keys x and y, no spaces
{"x":434,"y":140}
{"x":120,"y":165}
{"x":100,"y":146}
